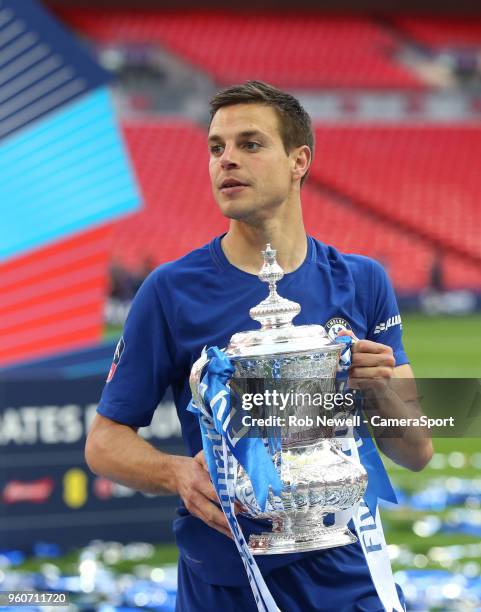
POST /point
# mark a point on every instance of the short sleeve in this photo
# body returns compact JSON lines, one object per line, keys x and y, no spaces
{"x":385,"y":325}
{"x":142,"y":364}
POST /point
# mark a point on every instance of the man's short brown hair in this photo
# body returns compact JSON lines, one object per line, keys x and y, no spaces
{"x":294,"y":123}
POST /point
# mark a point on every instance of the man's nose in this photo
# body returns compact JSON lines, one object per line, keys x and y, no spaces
{"x":228,"y":158}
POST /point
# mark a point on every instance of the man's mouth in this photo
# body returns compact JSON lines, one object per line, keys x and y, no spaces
{"x":231,"y":185}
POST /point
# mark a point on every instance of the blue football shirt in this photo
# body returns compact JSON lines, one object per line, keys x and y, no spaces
{"x":202,"y":300}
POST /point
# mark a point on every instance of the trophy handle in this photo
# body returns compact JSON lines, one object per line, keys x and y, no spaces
{"x":195,"y":378}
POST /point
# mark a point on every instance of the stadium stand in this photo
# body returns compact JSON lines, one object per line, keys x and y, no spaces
{"x":420,"y":177}
{"x":307,"y":50}
{"x":353,"y":231}
{"x":438,"y":32}
{"x":397,"y":192}
{"x":461,"y":274}
{"x":406,"y":257}
{"x":170,"y":160}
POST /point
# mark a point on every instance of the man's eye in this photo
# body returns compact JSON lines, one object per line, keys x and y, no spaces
{"x":252,"y":146}
{"x":216,"y":149}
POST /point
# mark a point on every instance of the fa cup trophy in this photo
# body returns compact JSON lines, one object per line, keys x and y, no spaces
{"x":318,"y":478}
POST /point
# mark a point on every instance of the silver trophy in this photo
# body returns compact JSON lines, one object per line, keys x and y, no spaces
{"x":317,"y":477}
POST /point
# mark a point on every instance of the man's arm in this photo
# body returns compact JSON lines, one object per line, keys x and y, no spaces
{"x":372,"y":368}
{"x":410,"y":447}
{"x":117,"y":452}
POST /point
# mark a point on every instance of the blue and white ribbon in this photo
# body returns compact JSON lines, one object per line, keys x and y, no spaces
{"x":373,"y":543}
{"x":249,"y":451}
{"x":378,"y":486}
{"x":359,"y":446}
{"x":223,"y":450}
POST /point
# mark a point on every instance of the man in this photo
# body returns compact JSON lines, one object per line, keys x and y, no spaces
{"x":261,"y":146}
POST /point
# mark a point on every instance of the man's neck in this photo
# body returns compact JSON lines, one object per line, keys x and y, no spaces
{"x":243,"y":243}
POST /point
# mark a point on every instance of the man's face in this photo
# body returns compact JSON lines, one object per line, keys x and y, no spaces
{"x":250,"y":171}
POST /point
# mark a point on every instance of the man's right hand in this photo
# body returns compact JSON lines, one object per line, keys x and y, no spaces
{"x":193,"y":484}
{"x":117,"y":452}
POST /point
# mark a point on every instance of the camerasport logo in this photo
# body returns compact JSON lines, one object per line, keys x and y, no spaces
{"x":35,"y":491}
{"x":117,"y":355}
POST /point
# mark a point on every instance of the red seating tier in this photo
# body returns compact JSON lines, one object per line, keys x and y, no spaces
{"x":307,"y":49}
{"x":422,"y":177}
{"x":447,"y":31}
{"x":170,"y":160}
{"x":406,"y":259}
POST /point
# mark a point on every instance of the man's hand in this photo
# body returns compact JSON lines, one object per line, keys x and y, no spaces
{"x":390,"y":391}
{"x":117,"y":452}
{"x":370,"y":359}
{"x":193,"y":484}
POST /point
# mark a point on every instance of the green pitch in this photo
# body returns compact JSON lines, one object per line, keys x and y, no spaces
{"x":438,"y":347}
{"x":443,"y":347}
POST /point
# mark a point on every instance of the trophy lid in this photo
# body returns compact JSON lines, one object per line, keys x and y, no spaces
{"x":277,"y":333}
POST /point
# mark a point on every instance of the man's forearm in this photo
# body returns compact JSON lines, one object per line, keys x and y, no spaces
{"x":117,"y":452}
{"x":408,"y":446}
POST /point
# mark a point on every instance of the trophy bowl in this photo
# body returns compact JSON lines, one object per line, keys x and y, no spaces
{"x":319,"y":481}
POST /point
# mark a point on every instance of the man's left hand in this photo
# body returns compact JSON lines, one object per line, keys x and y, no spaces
{"x":370,"y":359}
{"x":373,"y":367}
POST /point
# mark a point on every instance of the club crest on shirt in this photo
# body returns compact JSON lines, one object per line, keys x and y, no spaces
{"x":335,"y":325}
{"x":119,"y":349}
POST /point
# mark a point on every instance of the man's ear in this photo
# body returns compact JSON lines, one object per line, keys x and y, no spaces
{"x":301,"y":157}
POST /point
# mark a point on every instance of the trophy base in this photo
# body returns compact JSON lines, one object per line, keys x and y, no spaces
{"x":272,"y":543}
